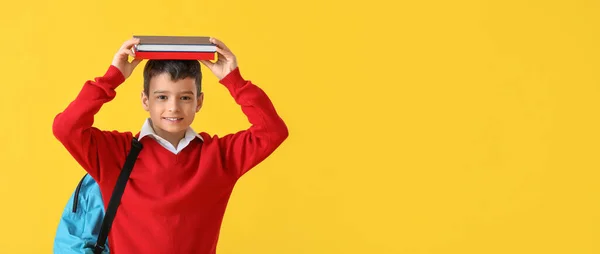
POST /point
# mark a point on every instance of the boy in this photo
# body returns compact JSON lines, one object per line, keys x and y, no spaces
{"x":178,"y":190}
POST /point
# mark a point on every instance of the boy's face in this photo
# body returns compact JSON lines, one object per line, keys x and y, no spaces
{"x":172,"y":105}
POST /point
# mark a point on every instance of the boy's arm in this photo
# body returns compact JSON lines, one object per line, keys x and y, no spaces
{"x":245,"y":149}
{"x":73,"y":127}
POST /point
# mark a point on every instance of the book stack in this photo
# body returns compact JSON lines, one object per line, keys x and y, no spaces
{"x":175,"y":48}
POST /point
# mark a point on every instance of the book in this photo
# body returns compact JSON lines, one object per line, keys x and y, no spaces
{"x":160,"y":55}
{"x":175,"y":47}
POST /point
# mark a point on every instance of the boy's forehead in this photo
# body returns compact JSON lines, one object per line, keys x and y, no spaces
{"x":166,"y":83}
{"x":167,"y":78}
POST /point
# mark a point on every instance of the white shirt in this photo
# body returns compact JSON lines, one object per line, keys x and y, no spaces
{"x":190,"y":134}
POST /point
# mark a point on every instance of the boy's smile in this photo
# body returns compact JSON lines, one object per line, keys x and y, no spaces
{"x":173,"y":120}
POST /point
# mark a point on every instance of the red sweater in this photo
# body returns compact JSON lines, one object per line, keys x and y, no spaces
{"x":172,"y":203}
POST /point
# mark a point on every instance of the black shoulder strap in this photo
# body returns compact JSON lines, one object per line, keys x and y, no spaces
{"x":115,"y":199}
{"x":76,"y":195}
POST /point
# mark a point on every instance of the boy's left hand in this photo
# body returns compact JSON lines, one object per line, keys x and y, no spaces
{"x":226,"y":61}
{"x":121,"y":58}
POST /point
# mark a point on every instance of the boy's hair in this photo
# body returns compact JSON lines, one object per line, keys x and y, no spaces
{"x":177,"y":69}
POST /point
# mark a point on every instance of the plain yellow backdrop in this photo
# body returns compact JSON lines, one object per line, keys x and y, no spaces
{"x":415,"y":126}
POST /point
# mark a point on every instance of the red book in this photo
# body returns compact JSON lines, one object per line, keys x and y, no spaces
{"x":162,"y":55}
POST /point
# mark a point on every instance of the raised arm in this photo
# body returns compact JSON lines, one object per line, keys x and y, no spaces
{"x":245,"y":149}
{"x":74,"y":126}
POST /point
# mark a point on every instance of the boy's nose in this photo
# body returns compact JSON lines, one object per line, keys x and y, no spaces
{"x":173,"y":106}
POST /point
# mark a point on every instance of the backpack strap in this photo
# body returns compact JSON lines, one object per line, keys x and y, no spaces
{"x":115,"y":199}
{"x":76,"y":195}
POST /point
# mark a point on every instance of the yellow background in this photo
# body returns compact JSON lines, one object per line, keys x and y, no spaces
{"x":415,"y":126}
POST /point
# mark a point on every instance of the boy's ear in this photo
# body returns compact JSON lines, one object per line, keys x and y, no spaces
{"x":145,"y":102}
{"x":200,"y":101}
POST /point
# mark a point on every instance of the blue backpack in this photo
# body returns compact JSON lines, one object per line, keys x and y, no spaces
{"x":81,"y":219}
{"x":84,"y":224}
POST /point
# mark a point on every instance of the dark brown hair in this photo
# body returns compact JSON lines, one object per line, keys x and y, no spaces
{"x":177,"y":69}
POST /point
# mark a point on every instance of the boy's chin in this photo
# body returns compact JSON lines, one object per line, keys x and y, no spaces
{"x":173,"y":126}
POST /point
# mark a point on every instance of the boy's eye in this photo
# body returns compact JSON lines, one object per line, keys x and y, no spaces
{"x":186,"y":98}
{"x":161,"y":97}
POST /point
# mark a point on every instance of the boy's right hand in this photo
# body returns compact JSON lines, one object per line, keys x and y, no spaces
{"x":121,"y":59}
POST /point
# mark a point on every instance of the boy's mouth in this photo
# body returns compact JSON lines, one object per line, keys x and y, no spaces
{"x":172,"y":119}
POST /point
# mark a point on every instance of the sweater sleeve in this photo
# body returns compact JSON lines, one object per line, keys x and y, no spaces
{"x":245,"y":149}
{"x":88,"y":145}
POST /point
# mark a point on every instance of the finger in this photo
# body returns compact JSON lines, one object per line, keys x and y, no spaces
{"x":130,"y":43}
{"x":208,"y":64}
{"x":219,"y":44}
{"x":128,"y":52}
{"x":135,"y":62}
{"x":223,"y":53}
{"x":219,"y":59}
{"x":121,"y":55}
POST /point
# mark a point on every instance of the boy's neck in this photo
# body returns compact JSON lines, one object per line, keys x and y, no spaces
{"x":173,"y":138}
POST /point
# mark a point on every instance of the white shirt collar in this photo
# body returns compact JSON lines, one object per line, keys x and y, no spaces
{"x":190,"y":134}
